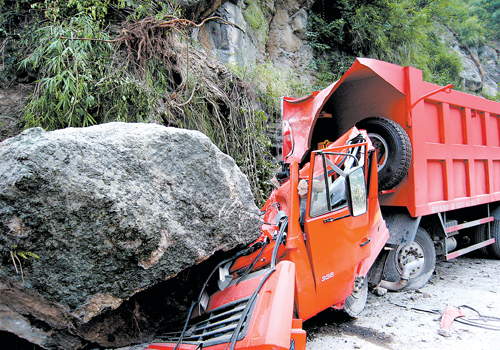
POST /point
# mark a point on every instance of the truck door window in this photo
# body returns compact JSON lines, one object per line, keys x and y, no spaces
{"x":328,"y":188}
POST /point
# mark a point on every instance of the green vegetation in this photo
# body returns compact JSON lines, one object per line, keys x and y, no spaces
{"x":271,"y":82}
{"x":15,"y":256}
{"x":81,"y":83}
{"x":401,"y":32}
{"x":255,"y":16}
{"x":97,"y":61}
{"x":474,"y":21}
{"x":94,"y":61}
{"x":405,"y":32}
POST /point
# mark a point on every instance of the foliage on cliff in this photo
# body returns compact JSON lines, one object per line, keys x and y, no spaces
{"x":402,"y":32}
{"x":96,"y":61}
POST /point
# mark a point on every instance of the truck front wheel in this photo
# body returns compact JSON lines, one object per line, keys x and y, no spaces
{"x":355,"y":303}
{"x":421,"y":248}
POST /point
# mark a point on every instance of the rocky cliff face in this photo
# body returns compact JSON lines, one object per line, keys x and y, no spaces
{"x":263,"y":31}
{"x":110,"y":211}
{"x":481,"y":66}
{"x":275,"y":31}
{"x":481,"y":71}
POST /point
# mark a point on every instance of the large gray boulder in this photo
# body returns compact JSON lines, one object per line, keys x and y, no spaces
{"x":112,"y":210}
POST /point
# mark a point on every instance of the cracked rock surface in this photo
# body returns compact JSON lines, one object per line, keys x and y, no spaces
{"x":111,"y":211}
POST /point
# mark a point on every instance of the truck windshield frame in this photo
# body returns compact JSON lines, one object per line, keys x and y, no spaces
{"x":330,"y":172}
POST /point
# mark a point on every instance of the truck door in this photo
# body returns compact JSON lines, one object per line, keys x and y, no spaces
{"x":336,"y":241}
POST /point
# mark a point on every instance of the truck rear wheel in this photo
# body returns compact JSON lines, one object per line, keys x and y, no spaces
{"x":355,"y":303}
{"x":421,"y":248}
{"x":478,"y":236}
{"x":393,"y":149}
{"x":494,"y":249}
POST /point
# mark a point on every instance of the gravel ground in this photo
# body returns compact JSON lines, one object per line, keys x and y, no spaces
{"x":391,"y":321}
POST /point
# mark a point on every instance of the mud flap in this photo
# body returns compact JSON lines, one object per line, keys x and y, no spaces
{"x":268,"y":324}
{"x":401,"y":225}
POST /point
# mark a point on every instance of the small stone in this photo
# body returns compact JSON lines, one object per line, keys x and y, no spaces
{"x":444,"y":333}
{"x":390,"y":324}
{"x":357,"y":346}
{"x":379,"y":291}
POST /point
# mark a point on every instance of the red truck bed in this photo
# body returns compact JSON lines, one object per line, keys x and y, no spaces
{"x":455,"y":136}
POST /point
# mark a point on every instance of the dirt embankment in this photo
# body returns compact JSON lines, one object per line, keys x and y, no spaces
{"x":12,"y":101}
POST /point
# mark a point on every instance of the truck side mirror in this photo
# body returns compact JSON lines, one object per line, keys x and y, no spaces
{"x":356,"y":191}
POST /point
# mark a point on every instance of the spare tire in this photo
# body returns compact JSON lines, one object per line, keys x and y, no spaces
{"x":393,"y":149}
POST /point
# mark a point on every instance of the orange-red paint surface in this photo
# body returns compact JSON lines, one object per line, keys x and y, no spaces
{"x":271,"y":324}
{"x":455,"y":136}
{"x":456,"y":163}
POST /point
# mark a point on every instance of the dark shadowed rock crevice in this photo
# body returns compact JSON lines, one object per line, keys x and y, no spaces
{"x":110,"y":211}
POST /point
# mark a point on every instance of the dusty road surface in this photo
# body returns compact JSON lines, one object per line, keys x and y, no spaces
{"x":392,"y":321}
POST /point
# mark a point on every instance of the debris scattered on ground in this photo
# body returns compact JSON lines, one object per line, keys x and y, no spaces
{"x":384,"y":324}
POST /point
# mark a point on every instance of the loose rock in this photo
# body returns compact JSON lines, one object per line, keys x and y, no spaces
{"x":111,"y":211}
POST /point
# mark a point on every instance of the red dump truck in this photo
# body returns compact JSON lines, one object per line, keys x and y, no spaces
{"x":381,"y":173}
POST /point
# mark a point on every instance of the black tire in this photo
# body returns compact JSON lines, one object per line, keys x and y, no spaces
{"x":393,"y":149}
{"x":479,"y":235}
{"x":494,"y":249}
{"x":355,"y":303}
{"x":421,"y":248}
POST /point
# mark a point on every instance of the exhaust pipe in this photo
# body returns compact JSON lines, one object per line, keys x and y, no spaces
{"x":415,"y":264}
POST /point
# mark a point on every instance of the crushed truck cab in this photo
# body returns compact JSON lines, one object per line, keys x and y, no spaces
{"x":323,"y":231}
{"x":256,"y":313}
{"x":381,"y":171}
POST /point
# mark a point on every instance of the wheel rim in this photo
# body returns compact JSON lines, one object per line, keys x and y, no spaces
{"x":409,"y":253}
{"x":359,"y":283}
{"x":382,"y":149}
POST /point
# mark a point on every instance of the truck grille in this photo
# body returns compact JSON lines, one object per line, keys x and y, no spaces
{"x":216,"y":326}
